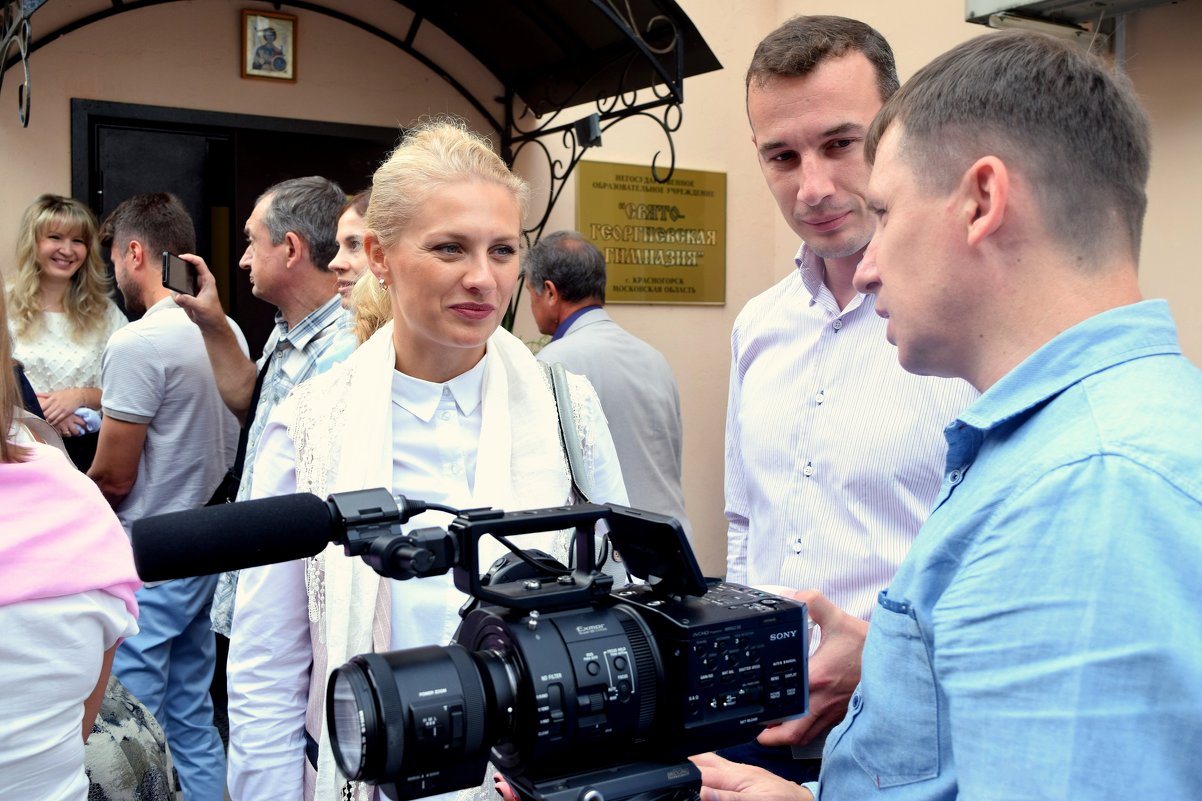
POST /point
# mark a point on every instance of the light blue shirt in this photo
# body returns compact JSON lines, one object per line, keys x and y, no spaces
{"x":1043,"y":639}
{"x":312,"y":346}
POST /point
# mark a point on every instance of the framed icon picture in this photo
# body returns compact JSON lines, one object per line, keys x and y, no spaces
{"x":268,"y":45}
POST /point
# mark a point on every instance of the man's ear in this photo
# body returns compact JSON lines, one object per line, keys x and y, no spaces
{"x":375,"y":255}
{"x":298,"y":248}
{"x":137,"y":254}
{"x":550,"y":293}
{"x":985,"y":192}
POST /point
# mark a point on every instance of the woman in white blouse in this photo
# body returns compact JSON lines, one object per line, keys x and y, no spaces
{"x":60,"y":316}
{"x":442,"y":405}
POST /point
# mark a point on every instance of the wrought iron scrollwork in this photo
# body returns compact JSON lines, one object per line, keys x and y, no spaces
{"x":657,"y":42}
{"x":658,"y":49}
{"x":14,"y":23}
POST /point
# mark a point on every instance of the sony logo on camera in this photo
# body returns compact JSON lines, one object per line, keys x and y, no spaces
{"x":782,"y":635}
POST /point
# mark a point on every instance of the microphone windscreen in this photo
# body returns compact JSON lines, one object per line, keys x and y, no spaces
{"x":231,"y":536}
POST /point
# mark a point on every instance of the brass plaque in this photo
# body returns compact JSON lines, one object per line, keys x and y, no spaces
{"x":663,"y":242}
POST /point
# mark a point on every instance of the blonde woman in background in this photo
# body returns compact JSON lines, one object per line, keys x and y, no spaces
{"x":60,"y":316}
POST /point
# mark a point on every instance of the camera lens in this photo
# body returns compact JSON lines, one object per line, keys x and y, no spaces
{"x":350,"y":705}
{"x":401,"y":715}
{"x":365,"y":717}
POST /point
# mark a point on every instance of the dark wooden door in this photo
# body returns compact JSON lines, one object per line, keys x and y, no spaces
{"x":218,"y":164}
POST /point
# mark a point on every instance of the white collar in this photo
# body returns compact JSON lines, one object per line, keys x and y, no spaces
{"x":421,"y":398}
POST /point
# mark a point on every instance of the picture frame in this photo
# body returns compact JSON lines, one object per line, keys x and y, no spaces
{"x":268,"y":45}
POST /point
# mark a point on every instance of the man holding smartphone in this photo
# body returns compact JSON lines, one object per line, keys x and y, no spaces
{"x":166,"y":442}
{"x":291,"y":237}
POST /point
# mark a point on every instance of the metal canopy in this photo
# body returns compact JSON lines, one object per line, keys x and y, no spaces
{"x":1073,"y":12}
{"x":554,"y":54}
{"x":621,"y":58}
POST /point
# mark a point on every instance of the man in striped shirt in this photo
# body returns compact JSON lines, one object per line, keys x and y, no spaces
{"x":291,"y":238}
{"x":834,"y":453}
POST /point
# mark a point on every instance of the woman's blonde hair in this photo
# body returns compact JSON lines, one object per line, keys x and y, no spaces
{"x":87,"y":298}
{"x":10,"y":394}
{"x":433,"y":153}
{"x":371,"y":306}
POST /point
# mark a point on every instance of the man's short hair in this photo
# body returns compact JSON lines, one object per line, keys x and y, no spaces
{"x":1070,"y":123}
{"x":571,"y":262}
{"x":158,"y":220}
{"x":310,"y":208}
{"x":797,"y":47}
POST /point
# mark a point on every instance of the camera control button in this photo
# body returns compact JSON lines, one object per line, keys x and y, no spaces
{"x":592,"y":668}
{"x":619,"y":663}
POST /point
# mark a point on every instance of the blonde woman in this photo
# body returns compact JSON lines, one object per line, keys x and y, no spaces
{"x":60,"y":316}
{"x":440,"y":404}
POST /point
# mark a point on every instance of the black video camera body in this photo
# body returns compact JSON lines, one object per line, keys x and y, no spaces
{"x":564,"y":685}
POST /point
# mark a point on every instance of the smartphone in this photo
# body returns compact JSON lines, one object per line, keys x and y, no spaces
{"x":179,"y":275}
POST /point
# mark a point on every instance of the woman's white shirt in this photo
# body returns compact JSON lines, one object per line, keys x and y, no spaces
{"x":53,"y":359}
{"x":52,"y":650}
{"x":435,"y":431}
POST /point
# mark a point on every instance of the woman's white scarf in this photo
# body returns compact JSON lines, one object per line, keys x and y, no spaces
{"x":343,"y":436}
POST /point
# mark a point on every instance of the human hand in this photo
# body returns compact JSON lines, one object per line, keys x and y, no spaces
{"x":503,"y":788}
{"x":834,"y":672}
{"x":72,"y":426}
{"x":205,"y":308}
{"x":60,"y":405}
{"x":723,"y":780}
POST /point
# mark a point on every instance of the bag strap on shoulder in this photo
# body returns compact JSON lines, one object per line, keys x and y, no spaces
{"x":569,"y":436}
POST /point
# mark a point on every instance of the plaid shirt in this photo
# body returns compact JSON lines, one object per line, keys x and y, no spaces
{"x":312,"y":346}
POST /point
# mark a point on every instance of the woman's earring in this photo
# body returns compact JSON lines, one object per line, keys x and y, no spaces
{"x":382,"y":284}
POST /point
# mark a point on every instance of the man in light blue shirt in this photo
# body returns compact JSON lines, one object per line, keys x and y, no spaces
{"x":291,"y":238}
{"x":1043,"y":639}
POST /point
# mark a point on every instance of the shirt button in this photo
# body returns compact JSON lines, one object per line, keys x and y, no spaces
{"x":837,"y":324}
{"x":855,"y":702}
{"x":797,"y":545}
{"x":445,"y":416}
{"x":455,"y":469}
{"x":955,"y":475}
{"x":820,"y":397}
{"x":808,"y":470}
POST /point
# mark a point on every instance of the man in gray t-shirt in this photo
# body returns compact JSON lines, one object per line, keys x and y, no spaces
{"x":166,"y":441}
{"x":155,"y":373}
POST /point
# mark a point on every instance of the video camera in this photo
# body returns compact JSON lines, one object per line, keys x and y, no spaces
{"x":572,"y":688}
{"x":576,"y":690}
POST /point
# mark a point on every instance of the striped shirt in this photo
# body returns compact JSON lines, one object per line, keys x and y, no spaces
{"x":312,"y":346}
{"x":834,"y":453}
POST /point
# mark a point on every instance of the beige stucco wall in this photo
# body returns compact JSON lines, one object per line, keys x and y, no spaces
{"x":186,"y":55}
